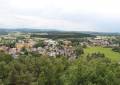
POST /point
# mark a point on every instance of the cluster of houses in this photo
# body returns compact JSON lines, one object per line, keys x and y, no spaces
{"x":51,"y":48}
{"x":100,"y":41}
{"x":54,"y":48}
{"x":15,"y":51}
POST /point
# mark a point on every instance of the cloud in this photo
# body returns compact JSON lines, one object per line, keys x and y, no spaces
{"x":103,"y":7}
{"x":38,"y":22}
{"x":84,"y":15}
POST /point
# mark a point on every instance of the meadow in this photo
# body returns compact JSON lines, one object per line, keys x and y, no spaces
{"x":114,"y":56}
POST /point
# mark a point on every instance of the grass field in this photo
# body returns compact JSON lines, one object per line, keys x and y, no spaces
{"x":107,"y":51}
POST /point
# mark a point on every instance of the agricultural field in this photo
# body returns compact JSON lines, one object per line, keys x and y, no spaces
{"x":114,"y":56}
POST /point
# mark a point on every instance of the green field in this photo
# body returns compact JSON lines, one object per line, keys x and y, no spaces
{"x":107,"y":51}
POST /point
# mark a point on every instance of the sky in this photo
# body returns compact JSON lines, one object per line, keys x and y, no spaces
{"x":68,"y":15}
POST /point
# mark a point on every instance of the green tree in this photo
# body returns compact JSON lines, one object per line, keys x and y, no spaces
{"x":79,"y":50}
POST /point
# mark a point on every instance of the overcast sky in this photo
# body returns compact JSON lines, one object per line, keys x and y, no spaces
{"x":78,"y":15}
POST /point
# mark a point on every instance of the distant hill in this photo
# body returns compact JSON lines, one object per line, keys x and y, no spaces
{"x":29,"y":30}
{"x":25,"y":30}
{"x":101,"y":33}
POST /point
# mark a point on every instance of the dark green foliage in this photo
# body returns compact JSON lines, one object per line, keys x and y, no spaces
{"x":56,"y":35}
{"x":5,"y":57}
{"x":84,"y":46}
{"x":40,"y":44}
{"x":116,"y":49}
{"x":8,"y":43}
{"x":79,"y":51}
{"x":95,"y":56}
{"x":33,"y":69}
{"x":93,"y":72}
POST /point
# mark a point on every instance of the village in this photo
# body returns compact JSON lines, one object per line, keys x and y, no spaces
{"x":18,"y":43}
{"x":51,"y":47}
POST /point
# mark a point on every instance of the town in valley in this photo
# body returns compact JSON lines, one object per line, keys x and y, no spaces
{"x":17,"y":43}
